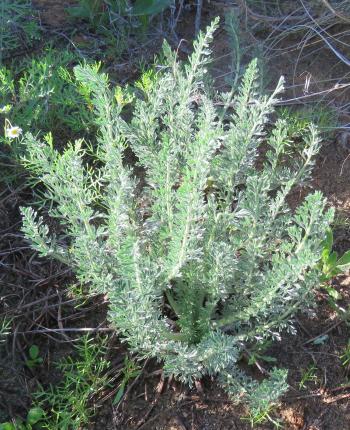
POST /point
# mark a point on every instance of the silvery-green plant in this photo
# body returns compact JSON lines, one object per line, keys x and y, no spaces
{"x":199,"y":253}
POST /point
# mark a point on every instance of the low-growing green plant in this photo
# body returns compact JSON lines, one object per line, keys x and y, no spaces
{"x":258,"y":354}
{"x":200,"y":255}
{"x":33,"y":421}
{"x":331,"y":264}
{"x":67,"y":403}
{"x":34,"y":358}
{"x":308,"y":375}
{"x":41,"y":94}
{"x":262,"y":416}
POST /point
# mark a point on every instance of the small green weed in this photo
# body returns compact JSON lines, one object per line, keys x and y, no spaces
{"x":330,"y":264}
{"x":262,"y":417}
{"x":258,"y":354}
{"x":262,"y":402}
{"x":34,"y":419}
{"x":68,"y":402}
{"x":308,"y":375}
{"x":34,"y":359}
{"x":41,"y":93}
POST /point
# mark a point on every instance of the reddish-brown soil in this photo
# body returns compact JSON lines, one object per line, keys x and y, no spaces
{"x":154,"y":404}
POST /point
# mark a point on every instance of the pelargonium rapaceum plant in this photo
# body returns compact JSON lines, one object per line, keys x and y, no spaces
{"x":199,"y":254}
